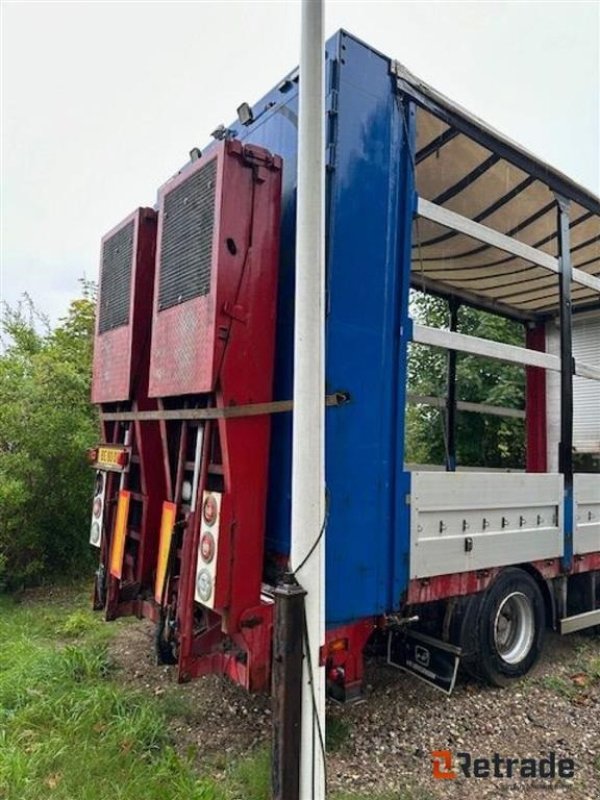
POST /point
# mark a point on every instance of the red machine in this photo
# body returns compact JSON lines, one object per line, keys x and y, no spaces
{"x":212,"y":357}
{"x":210,"y":374}
{"x":129,"y":483}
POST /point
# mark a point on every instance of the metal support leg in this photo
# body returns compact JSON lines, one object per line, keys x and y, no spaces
{"x":287,"y":690}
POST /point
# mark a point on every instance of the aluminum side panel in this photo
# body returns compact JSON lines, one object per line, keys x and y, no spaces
{"x":586,"y":536}
{"x":464,"y":522}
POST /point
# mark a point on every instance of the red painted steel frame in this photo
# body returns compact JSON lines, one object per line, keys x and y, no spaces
{"x":189,"y":339}
{"x":441,"y":587}
{"x":535,"y":405}
{"x":350,"y":659}
{"x":218,"y":350}
{"x":117,"y":352}
{"x":121,"y":369}
{"x":244,"y":655}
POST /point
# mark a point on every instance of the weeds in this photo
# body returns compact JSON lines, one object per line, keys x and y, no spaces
{"x":251,"y":777}
{"x":336,"y":732}
{"x":77,"y":624}
{"x":67,"y":730}
{"x":560,"y":686}
{"x":580,"y":676}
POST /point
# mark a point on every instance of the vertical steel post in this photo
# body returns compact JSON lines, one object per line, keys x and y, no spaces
{"x":536,"y":423}
{"x":453,"y":306}
{"x":288,"y":643}
{"x":565,"y":453}
{"x":308,"y":450}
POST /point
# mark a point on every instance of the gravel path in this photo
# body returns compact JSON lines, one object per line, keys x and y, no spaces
{"x":384,"y":744}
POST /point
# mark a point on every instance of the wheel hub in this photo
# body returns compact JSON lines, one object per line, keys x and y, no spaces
{"x":514,"y":628}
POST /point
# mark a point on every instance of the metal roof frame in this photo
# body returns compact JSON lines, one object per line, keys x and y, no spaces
{"x":475,"y":128}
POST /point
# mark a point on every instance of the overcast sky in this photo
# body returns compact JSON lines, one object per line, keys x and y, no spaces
{"x":101,"y":102}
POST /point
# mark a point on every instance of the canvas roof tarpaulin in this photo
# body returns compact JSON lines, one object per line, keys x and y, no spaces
{"x":466,"y":167}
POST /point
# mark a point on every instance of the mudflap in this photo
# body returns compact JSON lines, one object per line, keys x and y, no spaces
{"x":432,"y":660}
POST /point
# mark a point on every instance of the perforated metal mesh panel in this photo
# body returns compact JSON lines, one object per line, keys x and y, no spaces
{"x":115,"y":292}
{"x":187,"y":236}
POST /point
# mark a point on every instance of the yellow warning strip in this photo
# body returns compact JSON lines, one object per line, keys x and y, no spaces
{"x":118,"y":543}
{"x":167,"y":522}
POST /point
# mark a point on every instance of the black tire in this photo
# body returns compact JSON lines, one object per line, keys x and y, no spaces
{"x":503,"y":629}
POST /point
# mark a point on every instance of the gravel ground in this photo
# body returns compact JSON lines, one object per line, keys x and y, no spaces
{"x":384,"y":744}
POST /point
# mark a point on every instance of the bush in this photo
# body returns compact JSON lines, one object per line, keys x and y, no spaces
{"x":46,"y":425}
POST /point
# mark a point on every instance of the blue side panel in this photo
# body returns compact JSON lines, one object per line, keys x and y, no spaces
{"x":362,"y":329}
{"x":406,"y":208}
{"x":369,"y":212}
{"x":568,"y":525}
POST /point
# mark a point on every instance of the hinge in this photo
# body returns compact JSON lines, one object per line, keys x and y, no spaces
{"x":332,"y":102}
{"x":332,"y":110}
{"x":330,"y":156}
{"x":406,"y":329}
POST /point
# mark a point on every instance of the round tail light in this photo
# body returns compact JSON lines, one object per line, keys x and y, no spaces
{"x":209,"y":510}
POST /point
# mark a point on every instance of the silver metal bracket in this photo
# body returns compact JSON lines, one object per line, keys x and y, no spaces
{"x":580,"y":622}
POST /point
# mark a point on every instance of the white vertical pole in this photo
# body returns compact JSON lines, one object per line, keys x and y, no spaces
{"x":308,"y":460}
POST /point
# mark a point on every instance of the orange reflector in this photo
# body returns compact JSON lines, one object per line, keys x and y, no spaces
{"x":117,"y":550}
{"x":337,"y":645}
{"x":167,"y":521}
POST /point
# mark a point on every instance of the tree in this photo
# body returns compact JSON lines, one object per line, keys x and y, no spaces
{"x":46,"y":425}
{"x":482,"y":440}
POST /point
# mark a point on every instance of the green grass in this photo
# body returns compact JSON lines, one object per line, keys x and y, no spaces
{"x":560,"y":686}
{"x":337,"y":731}
{"x":251,"y":777}
{"x":582,"y":675}
{"x":67,"y":730}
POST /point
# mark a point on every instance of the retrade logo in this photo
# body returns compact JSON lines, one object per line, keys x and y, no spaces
{"x":445,"y":768}
{"x":442,"y":765}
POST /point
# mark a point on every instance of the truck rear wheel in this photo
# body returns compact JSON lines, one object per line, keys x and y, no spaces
{"x":503,"y":634}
